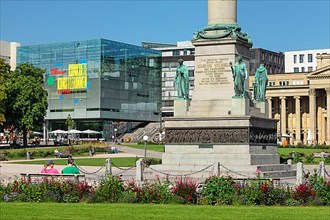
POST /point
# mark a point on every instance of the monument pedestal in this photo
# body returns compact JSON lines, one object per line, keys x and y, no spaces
{"x":181,"y":107}
{"x":263,"y":106}
{"x":240,"y":106}
{"x":219,"y":129}
{"x":241,"y":144}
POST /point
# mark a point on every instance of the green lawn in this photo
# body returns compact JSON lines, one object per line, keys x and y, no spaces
{"x":151,"y":211}
{"x":121,"y":161}
{"x":307,"y":151}
{"x":152,"y":147}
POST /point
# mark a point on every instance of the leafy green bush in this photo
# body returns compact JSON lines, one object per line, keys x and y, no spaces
{"x":110,"y":189}
{"x":219,"y":190}
{"x":309,"y":159}
{"x":321,"y":188}
{"x":152,"y":161}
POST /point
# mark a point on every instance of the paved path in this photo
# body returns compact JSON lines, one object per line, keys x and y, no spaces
{"x":8,"y":170}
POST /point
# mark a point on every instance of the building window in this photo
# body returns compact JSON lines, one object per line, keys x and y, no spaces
{"x":310,"y":69}
{"x":253,"y":55}
{"x":301,"y":58}
{"x":176,"y":52}
{"x":296,"y":70}
{"x":310,"y":58}
{"x":294,"y":58}
{"x":271,"y":83}
{"x":302,"y":69}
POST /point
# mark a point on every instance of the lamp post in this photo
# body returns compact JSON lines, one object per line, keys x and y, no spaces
{"x":115,"y":130}
{"x":145,"y":138}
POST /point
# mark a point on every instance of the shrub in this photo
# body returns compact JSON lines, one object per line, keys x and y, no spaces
{"x":110,"y":189}
{"x":304,"y":193}
{"x":186,"y":190}
{"x":321,"y":188}
{"x":150,"y":192}
{"x":309,"y":159}
{"x":153,"y":161}
{"x":327,"y":160}
{"x":297,"y":158}
{"x":219,"y":190}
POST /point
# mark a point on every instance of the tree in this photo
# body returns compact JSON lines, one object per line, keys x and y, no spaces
{"x":4,"y":72}
{"x":69,"y":122}
{"x":26,"y":102}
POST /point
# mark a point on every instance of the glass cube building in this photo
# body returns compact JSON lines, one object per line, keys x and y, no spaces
{"x":97,"y":82}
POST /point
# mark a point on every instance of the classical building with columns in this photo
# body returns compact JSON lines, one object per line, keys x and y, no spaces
{"x":300,"y":102}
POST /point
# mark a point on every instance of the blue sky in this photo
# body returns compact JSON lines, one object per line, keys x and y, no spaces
{"x":278,"y":25}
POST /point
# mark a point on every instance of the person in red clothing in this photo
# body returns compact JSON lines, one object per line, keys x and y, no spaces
{"x":49,"y":168}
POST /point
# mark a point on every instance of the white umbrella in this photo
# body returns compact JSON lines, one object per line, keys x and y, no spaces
{"x":74,"y":131}
{"x":88,"y":131}
{"x":57,"y":132}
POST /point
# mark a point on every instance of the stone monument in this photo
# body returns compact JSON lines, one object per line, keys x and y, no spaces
{"x":221,"y":124}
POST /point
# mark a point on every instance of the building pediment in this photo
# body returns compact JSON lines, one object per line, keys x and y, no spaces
{"x":320,"y":73}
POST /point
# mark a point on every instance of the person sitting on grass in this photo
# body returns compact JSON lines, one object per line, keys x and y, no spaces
{"x":71,"y":168}
{"x":49,"y":168}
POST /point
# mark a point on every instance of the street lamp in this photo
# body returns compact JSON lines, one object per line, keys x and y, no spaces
{"x":115,"y":130}
{"x":145,"y":138}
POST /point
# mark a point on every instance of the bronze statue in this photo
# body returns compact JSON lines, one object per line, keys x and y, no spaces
{"x":260,"y":84}
{"x":240,"y":76}
{"x":182,"y":80}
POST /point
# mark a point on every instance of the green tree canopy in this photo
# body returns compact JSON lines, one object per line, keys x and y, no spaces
{"x":4,"y":72}
{"x":26,"y":102}
{"x":69,"y":122}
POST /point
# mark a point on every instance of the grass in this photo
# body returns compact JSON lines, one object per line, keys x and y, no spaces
{"x":121,"y":161}
{"x":307,"y":151}
{"x":152,"y":147}
{"x":82,"y":211}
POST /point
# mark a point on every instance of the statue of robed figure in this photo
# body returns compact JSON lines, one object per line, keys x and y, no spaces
{"x":240,"y":76}
{"x":260,"y":84}
{"x":182,"y":80}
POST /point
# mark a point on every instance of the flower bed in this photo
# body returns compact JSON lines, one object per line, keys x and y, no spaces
{"x":214,"y":191}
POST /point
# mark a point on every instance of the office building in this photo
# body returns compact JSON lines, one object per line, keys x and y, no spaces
{"x":98,"y":82}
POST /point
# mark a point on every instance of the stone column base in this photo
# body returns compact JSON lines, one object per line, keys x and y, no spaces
{"x":240,"y":106}
{"x":181,"y":107}
{"x":263,"y":106}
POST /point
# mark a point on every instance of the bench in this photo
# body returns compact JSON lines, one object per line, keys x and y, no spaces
{"x":325,"y":155}
{"x":38,"y":176}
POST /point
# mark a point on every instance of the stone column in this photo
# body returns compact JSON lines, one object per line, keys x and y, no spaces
{"x":305,"y":138}
{"x":283,"y":115}
{"x":312,"y":115}
{"x":270,"y":115}
{"x":327,"y":138}
{"x":222,"y":12}
{"x":298,"y":120}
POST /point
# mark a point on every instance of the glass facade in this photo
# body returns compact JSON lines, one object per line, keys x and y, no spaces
{"x":98,"y":82}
